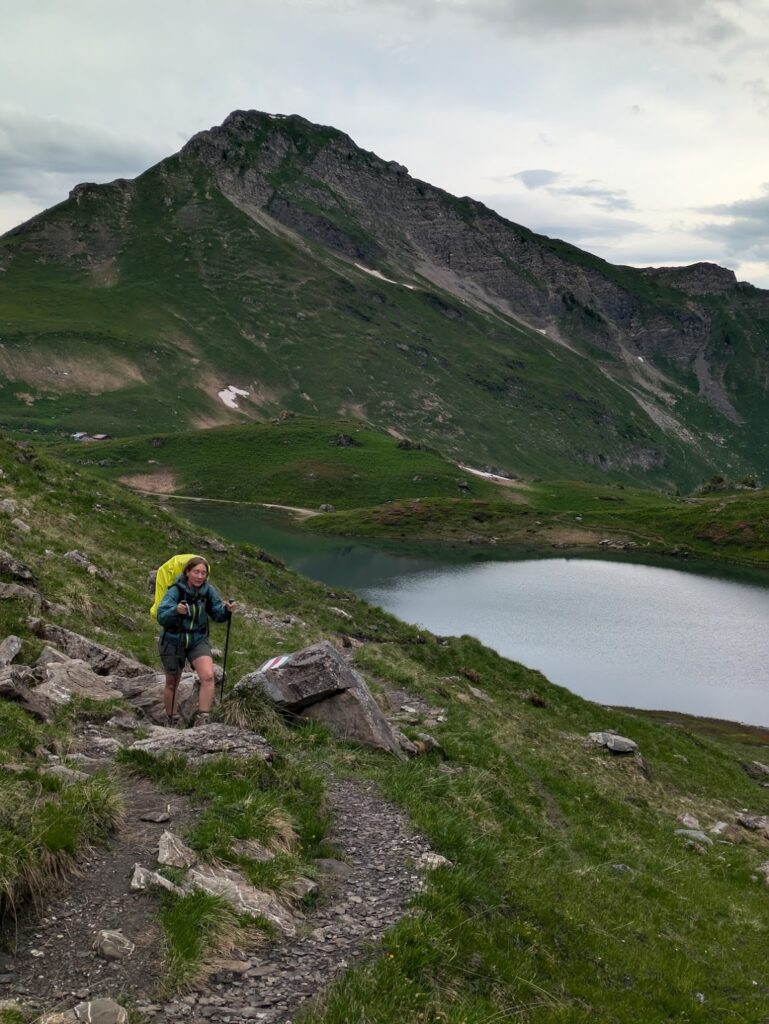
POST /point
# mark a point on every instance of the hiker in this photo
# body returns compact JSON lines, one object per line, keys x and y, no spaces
{"x":183,"y":613}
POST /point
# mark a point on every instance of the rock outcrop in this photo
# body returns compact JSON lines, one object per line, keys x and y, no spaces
{"x":319,"y":684}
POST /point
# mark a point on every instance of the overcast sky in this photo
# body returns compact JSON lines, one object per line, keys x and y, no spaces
{"x":637,"y":129}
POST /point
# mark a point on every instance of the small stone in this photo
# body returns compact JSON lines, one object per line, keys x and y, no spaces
{"x":430,"y":861}
{"x":113,"y":945}
{"x":689,"y":821}
{"x":101,"y":1011}
{"x":159,"y":817}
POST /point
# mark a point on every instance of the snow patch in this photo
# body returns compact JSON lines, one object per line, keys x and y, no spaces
{"x":389,"y":280}
{"x":231,"y":394}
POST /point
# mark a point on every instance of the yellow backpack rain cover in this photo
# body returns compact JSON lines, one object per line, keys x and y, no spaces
{"x":166,"y":575}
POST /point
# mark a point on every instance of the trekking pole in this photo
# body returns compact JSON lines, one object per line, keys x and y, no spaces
{"x":224,"y":662}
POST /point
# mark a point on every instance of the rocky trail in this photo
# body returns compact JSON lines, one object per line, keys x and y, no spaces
{"x":99,"y":940}
{"x":362,"y":892}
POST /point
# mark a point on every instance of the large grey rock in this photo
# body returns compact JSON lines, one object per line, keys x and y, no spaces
{"x":295,"y":681}
{"x":69,"y":776}
{"x":102,"y":659}
{"x":319,"y":684}
{"x":101,"y":1011}
{"x":754,"y":823}
{"x":9,"y":648}
{"x":175,"y":853}
{"x":613,"y":743}
{"x":74,"y":678}
{"x":243,"y":896}
{"x":17,"y":570}
{"x":145,"y":694}
{"x":17,"y":592}
{"x":14,"y":687}
{"x":143,"y":879}
{"x":50,"y":655}
{"x":206,"y":742}
{"x":111,"y":944}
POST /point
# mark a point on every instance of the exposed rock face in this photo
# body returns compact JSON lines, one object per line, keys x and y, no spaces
{"x":206,"y":742}
{"x":243,"y":896}
{"x":318,"y":683}
{"x":657,"y":335}
{"x":102,"y":660}
{"x":74,"y":677}
{"x":14,"y":686}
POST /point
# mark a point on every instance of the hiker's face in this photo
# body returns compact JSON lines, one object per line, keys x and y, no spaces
{"x":196,"y":576}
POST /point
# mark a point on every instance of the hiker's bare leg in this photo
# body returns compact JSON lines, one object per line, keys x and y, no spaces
{"x":169,"y":693}
{"x":204,"y":666}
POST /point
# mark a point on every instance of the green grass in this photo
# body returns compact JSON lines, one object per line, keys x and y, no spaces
{"x":197,"y":927}
{"x":533,"y":921}
{"x":298,"y":462}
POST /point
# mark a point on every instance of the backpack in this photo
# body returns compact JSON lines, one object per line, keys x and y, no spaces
{"x":165,"y":576}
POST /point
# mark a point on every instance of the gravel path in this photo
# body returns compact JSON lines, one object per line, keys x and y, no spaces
{"x":54,"y":961}
{"x":362,"y":894}
{"x":368,"y":895}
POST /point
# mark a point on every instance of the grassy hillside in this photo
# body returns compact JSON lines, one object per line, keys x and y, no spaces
{"x":386,"y":491}
{"x":303,"y":461}
{"x":732,"y":525}
{"x":571,"y":898}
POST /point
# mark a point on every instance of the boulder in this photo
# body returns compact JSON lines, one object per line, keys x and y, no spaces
{"x":145,"y":694}
{"x":102,"y":660}
{"x":50,"y":655}
{"x":10,"y":566}
{"x":613,"y":743}
{"x":756,"y":769}
{"x":66,"y":775}
{"x":206,"y":742}
{"x":9,"y":648}
{"x":74,"y":678}
{"x":101,"y":1011}
{"x":754,"y":823}
{"x":13,"y":687}
{"x":113,"y":945}
{"x":16,"y":592}
{"x":295,"y":681}
{"x":319,"y":684}
{"x":143,"y":879}
{"x":174,"y":853}
{"x":695,"y":834}
{"x":243,"y":896}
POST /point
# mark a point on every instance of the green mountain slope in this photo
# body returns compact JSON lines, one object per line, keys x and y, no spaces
{"x":276,"y":257}
{"x":571,"y":896}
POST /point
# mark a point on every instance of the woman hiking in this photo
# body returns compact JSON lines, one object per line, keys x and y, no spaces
{"x":183,"y":613}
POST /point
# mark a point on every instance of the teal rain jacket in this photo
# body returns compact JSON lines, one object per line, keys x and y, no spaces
{"x":203,"y":604}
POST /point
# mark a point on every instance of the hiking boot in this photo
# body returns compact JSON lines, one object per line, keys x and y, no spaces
{"x":202,"y":718}
{"x":172,"y":721}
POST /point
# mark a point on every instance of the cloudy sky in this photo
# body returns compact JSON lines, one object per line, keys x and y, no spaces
{"x":637,"y":129}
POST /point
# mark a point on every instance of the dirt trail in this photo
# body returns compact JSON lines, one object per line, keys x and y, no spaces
{"x":54,"y":960}
{"x":363,"y":892}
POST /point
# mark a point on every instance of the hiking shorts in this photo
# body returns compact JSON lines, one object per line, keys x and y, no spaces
{"x":174,"y":653}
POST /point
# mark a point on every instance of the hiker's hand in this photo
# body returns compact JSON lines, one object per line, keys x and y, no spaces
{"x":229,"y":605}
{"x":182,"y":608}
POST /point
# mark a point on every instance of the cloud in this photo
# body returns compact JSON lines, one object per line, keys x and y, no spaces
{"x":604,"y":198}
{"x":702,"y":20}
{"x":536,"y":177}
{"x":41,"y":158}
{"x":743,"y":227}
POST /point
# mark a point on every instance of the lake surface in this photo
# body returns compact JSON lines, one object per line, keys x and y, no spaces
{"x":614,"y":632}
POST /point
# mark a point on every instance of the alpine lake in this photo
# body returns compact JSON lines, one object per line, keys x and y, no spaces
{"x":693,"y":640}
